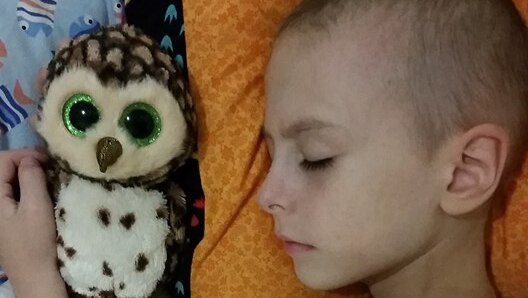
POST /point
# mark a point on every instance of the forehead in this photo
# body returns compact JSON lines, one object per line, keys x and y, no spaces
{"x":330,"y":78}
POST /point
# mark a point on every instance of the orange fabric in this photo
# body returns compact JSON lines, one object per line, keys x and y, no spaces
{"x":509,"y":242}
{"x":228,"y":45}
{"x":522,"y":6}
{"x":509,"y":236}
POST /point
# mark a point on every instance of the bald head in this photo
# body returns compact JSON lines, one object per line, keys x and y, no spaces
{"x":457,"y":63}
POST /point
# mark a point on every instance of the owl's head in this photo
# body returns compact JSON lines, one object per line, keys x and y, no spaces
{"x":116,"y":108}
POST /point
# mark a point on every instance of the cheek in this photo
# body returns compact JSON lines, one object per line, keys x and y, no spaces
{"x":361,"y":230}
{"x":370,"y":216}
{"x":375,"y":191}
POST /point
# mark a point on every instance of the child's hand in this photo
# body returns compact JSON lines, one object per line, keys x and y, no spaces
{"x":27,"y":227}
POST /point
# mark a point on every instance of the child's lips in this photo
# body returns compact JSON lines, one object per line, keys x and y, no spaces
{"x":293,"y":247}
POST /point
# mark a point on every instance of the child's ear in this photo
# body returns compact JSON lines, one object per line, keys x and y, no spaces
{"x":478,"y":165}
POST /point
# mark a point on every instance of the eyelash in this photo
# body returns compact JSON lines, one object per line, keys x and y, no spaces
{"x":317,"y":165}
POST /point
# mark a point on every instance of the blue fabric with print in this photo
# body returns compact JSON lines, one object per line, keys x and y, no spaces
{"x":30,"y":30}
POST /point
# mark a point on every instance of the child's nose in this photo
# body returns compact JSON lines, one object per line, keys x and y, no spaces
{"x":273,"y":196}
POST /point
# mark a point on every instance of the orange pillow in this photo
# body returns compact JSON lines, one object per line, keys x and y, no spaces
{"x":509,"y":242}
{"x":509,"y":233}
{"x":228,"y":44}
{"x":522,"y":5}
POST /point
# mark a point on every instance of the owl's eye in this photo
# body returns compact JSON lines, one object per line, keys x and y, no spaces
{"x":142,"y":122}
{"x":79,"y":114}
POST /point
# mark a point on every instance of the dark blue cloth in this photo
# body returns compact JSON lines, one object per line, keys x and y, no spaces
{"x":163,"y":20}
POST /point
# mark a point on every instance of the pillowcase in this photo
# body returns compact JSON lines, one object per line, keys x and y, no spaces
{"x":509,"y":230}
{"x":228,"y":44}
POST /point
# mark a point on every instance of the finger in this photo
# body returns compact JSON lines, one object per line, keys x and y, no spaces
{"x":9,"y":161}
{"x":33,"y":190}
{"x":6,"y":191}
{"x":8,"y":207}
{"x":19,"y":154}
{"x":7,"y":173}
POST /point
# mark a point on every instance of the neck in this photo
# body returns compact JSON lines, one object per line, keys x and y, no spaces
{"x":454,"y":267}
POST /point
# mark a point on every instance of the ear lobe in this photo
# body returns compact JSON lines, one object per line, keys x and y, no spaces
{"x":478,"y":169}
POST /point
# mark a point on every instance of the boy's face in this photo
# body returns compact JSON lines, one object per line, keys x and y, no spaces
{"x":351,"y":193}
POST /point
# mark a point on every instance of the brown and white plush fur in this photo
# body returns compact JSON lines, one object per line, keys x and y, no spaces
{"x":135,"y":161}
{"x":111,"y":240}
{"x":119,"y":231}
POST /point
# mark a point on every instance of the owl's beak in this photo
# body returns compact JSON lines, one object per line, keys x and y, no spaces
{"x":108,"y":151}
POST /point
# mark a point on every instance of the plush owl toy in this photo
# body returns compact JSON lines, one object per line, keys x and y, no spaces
{"x":117,"y":120}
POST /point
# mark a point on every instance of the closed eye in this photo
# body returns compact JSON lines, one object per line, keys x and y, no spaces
{"x":317,"y":165}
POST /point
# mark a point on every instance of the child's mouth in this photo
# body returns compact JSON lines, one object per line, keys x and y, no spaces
{"x":294,"y":248}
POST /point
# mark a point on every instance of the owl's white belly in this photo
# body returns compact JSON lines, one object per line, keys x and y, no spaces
{"x":111,"y":240}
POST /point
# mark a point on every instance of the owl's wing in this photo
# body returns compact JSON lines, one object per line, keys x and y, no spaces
{"x":176,"y":203}
{"x":176,"y":209}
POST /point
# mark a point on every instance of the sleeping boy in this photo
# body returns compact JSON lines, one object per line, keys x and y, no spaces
{"x":392,"y":126}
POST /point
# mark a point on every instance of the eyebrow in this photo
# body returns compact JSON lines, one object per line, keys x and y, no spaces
{"x":300,"y":126}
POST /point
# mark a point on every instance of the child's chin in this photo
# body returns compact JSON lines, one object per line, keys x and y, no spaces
{"x":323,"y":279}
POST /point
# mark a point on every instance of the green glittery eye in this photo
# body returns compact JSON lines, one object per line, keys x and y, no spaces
{"x":79,"y":114}
{"x":142,"y":122}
